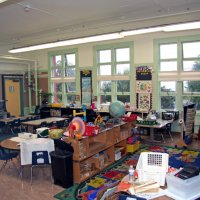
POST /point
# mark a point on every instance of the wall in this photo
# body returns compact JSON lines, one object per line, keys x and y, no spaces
{"x":143,"y":49}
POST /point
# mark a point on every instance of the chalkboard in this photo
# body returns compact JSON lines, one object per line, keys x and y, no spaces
{"x":143,"y":73}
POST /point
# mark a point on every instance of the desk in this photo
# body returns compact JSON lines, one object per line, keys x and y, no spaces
{"x":161,"y":124}
{"x":36,"y":123}
{"x":10,"y":119}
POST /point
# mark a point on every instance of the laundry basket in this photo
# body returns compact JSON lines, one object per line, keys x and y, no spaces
{"x":152,"y":166}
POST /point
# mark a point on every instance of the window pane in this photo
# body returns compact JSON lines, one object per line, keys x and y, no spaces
{"x":57,"y":98}
{"x":105,"y":70}
{"x":105,"y":56}
{"x":57,"y":61}
{"x":168,"y":102}
{"x":105,"y":98}
{"x":123,"y":98}
{"x":71,"y":98}
{"x":122,"y":54}
{"x":70,"y":72}
{"x":168,"y":66}
{"x":191,"y":66}
{"x":70,"y":59}
{"x":57,"y":87}
{"x":168,"y":51}
{"x":191,"y":86}
{"x":168,"y":86}
{"x":105,"y":86}
{"x":191,"y":50}
{"x":192,"y":99}
{"x":122,"y":69}
{"x":70,"y":87}
{"x":123,"y":86}
{"x":56,"y":72}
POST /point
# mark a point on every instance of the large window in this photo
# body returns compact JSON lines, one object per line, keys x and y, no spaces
{"x":168,"y":94}
{"x":168,"y":57}
{"x":179,"y":72}
{"x":63,"y":76}
{"x":114,"y":69}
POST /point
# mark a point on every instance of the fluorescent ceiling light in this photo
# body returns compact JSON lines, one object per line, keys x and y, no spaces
{"x":1,"y":1}
{"x":182,"y":27}
{"x":110,"y":36}
{"x":96,"y":38}
{"x":141,"y":31}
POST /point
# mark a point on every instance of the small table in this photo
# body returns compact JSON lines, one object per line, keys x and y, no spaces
{"x":10,"y":119}
{"x":161,"y":124}
{"x":10,"y":144}
{"x":36,"y":123}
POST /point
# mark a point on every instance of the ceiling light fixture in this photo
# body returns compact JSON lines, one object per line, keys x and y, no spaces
{"x":141,"y":31}
{"x":83,"y":40}
{"x":1,"y":1}
{"x":182,"y":27}
{"x":110,"y":36}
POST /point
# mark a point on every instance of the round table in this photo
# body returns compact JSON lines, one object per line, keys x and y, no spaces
{"x":9,"y":144}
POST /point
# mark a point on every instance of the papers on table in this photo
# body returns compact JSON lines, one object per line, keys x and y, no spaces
{"x":17,"y":139}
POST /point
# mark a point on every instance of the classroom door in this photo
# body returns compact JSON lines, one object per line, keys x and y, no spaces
{"x":12,"y":94}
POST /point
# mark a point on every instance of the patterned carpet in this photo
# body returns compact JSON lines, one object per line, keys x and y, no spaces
{"x":177,"y":158}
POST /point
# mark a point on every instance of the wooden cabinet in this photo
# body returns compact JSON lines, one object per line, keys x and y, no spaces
{"x":93,"y":154}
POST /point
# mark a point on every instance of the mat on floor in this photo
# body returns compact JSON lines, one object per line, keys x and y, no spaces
{"x":177,"y":158}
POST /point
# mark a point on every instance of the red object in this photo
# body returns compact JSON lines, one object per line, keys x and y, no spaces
{"x":91,"y":130}
{"x":129,"y":119}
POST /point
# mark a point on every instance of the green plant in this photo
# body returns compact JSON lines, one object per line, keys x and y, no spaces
{"x":45,"y":96}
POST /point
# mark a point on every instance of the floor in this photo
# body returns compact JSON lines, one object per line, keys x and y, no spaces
{"x":11,"y":186}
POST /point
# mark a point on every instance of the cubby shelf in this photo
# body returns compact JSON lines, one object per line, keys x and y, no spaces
{"x":95,"y":153}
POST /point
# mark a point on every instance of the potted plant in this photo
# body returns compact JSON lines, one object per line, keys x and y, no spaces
{"x":45,"y":97}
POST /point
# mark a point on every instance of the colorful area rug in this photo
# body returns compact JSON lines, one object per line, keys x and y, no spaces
{"x":88,"y":189}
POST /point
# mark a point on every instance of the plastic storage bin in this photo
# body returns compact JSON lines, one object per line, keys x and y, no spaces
{"x":132,"y":147}
{"x":152,"y":166}
{"x":180,"y":189}
{"x":62,"y":165}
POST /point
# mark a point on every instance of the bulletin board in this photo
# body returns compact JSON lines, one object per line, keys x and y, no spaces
{"x":144,"y":87}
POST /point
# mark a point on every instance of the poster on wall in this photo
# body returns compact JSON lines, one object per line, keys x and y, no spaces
{"x":143,"y":73}
{"x":144,"y":101}
{"x":144,"y":87}
{"x":86,"y":87}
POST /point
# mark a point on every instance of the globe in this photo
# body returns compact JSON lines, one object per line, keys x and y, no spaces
{"x":117,"y":109}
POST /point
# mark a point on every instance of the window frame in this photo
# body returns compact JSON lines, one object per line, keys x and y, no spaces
{"x":179,"y":76}
{"x":114,"y":77}
{"x":63,"y":79}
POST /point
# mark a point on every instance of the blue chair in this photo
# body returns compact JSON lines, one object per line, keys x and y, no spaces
{"x":40,"y":159}
{"x":7,"y":156}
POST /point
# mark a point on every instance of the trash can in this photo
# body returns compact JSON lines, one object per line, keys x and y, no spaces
{"x":62,"y":165}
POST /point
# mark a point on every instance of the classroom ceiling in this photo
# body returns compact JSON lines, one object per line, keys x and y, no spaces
{"x":29,"y":22}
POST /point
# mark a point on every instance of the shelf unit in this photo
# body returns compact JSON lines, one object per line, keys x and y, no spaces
{"x":95,"y":153}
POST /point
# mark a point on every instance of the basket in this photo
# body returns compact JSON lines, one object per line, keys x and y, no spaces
{"x":130,"y":148}
{"x":152,"y":166}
